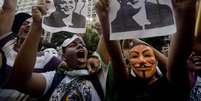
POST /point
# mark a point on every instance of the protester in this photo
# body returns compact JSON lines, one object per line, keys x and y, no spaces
{"x":7,"y":14}
{"x":194,"y":72}
{"x":194,"y":61}
{"x":21,"y":27}
{"x":146,"y":86}
{"x":73,"y":75}
{"x":11,"y":43}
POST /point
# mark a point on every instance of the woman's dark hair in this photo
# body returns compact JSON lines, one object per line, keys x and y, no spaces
{"x":18,"y":21}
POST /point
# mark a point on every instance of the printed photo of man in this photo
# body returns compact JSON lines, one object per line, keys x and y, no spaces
{"x":65,"y":15}
{"x":141,"y":14}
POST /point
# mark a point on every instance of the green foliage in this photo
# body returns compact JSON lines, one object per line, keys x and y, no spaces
{"x":91,"y":39}
{"x":59,"y":37}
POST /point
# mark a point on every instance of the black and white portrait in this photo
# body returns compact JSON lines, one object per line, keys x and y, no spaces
{"x":65,"y":17}
{"x":139,"y":16}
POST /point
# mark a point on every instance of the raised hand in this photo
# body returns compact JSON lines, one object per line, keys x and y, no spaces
{"x":102,"y":8}
{"x":38,"y":11}
{"x":7,"y":14}
{"x":93,"y":65}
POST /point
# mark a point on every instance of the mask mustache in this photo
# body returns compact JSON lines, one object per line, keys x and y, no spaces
{"x":142,"y":65}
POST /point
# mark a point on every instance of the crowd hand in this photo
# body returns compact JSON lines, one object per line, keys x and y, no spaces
{"x":45,"y":3}
{"x":93,"y":65}
{"x":8,"y":5}
{"x":38,"y":11}
{"x":102,"y":8}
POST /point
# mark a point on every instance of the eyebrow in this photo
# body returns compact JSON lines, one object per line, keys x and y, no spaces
{"x":146,"y":50}
{"x":134,"y":52}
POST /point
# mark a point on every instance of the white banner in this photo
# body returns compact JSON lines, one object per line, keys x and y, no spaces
{"x":140,"y":18}
{"x":65,"y":15}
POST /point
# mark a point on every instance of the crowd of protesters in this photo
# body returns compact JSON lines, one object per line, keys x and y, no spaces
{"x":126,"y":70}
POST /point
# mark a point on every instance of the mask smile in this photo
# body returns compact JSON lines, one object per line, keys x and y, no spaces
{"x":143,"y":67}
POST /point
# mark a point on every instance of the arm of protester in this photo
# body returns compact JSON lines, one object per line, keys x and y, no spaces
{"x":7,"y":14}
{"x":119,"y":67}
{"x":93,"y":64}
{"x":22,"y":77}
{"x":197,"y":41}
{"x":194,"y":59}
{"x":1,"y":59}
{"x":102,"y":50}
{"x":101,"y":55}
{"x":181,"y":45}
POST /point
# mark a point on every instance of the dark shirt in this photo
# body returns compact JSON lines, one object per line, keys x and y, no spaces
{"x":5,"y":70}
{"x":135,"y":89}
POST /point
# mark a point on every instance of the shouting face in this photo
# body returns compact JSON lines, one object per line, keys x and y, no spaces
{"x":142,"y":61}
{"x":75,"y":54}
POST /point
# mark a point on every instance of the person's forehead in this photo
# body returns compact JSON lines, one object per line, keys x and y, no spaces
{"x":29,"y":20}
{"x":78,"y":40}
{"x":141,"y":47}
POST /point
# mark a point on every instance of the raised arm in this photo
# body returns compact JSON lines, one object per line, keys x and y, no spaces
{"x":114,"y":50}
{"x":22,"y":77}
{"x":7,"y":14}
{"x":197,"y":41}
{"x":181,"y":45}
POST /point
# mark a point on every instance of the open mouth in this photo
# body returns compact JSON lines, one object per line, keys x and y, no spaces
{"x":196,"y":60}
{"x":81,"y":56}
{"x":26,"y":31}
